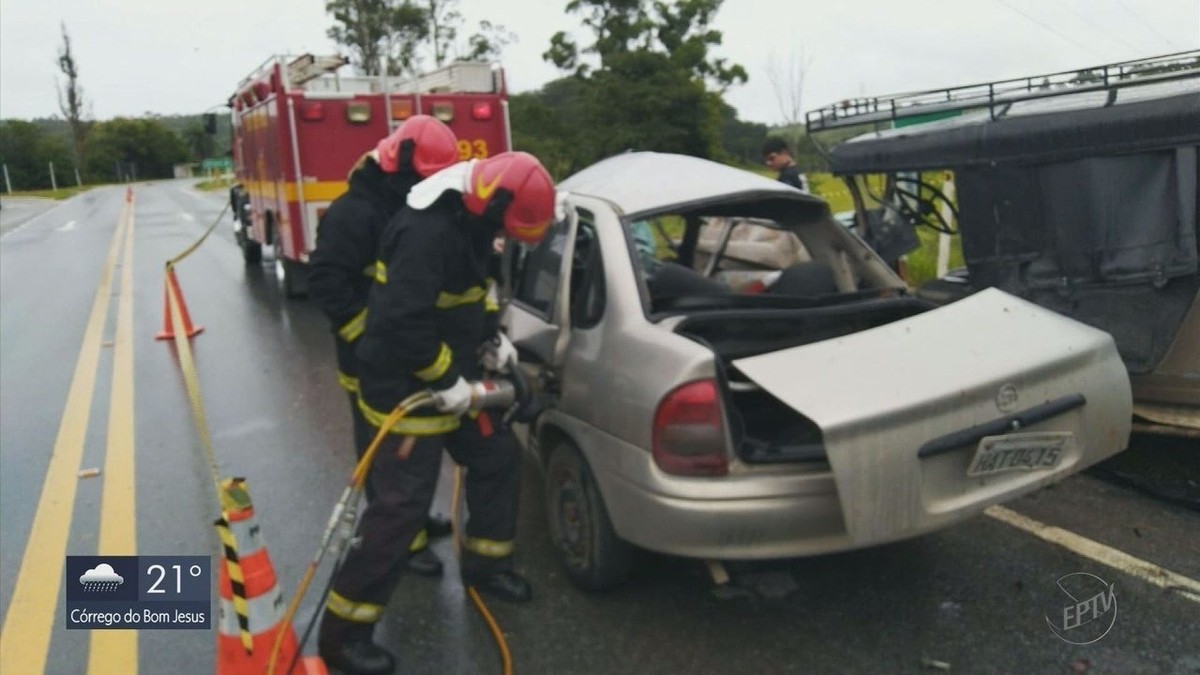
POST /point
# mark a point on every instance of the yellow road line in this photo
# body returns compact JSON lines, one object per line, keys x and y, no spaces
{"x":1118,"y":560}
{"x":25,"y":638}
{"x":116,"y":651}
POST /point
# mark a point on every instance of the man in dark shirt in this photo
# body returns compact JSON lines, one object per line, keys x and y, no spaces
{"x":777,"y":156}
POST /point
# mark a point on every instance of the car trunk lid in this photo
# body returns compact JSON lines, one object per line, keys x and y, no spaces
{"x":909,"y":405}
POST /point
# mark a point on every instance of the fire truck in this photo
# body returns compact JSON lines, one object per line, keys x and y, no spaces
{"x":299,"y":127}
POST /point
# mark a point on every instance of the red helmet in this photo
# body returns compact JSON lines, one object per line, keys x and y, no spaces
{"x":528,"y":205}
{"x":433,"y":147}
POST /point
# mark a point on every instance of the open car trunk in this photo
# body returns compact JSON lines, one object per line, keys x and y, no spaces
{"x":932,"y":415}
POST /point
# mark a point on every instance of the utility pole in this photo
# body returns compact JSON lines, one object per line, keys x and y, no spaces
{"x":53,"y":180}
{"x":7,"y":182}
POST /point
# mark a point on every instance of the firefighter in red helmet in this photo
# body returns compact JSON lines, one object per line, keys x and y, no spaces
{"x":429,"y":315}
{"x":343,"y":263}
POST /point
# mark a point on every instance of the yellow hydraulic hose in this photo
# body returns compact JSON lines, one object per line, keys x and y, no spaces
{"x":501,"y":643}
{"x":357,"y":477}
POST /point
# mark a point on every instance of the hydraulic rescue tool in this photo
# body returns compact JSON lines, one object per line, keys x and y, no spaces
{"x":509,"y":393}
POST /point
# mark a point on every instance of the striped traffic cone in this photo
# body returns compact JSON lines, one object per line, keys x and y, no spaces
{"x":252,"y":605}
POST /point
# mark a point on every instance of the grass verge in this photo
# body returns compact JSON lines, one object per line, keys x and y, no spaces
{"x":61,"y":193}
{"x":214,"y":184}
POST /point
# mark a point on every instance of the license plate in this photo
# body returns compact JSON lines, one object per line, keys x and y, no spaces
{"x":1019,"y":452}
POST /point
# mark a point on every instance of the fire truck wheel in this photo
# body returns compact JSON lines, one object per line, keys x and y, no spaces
{"x":251,"y":250}
{"x":295,"y":279}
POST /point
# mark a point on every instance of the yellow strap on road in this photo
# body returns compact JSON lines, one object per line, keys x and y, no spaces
{"x":187,"y":363}
{"x":380,"y":272}
{"x":195,"y":245}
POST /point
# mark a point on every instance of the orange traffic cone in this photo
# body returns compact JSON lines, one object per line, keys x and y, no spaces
{"x":168,"y":331}
{"x":251,"y":603}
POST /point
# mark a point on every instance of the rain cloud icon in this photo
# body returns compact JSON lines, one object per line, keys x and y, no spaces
{"x":102,"y":578}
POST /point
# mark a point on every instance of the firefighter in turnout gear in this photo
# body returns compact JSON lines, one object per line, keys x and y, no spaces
{"x":429,"y":315}
{"x":343,"y":264}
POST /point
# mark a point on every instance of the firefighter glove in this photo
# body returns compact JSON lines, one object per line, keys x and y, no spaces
{"x":498,"y":354}
{"x":455,"y":399}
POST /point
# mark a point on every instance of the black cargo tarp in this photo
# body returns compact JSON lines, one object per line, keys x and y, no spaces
{"x":1168,"y":122}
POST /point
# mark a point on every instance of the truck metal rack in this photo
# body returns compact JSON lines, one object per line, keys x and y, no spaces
{"x":998,"y":96}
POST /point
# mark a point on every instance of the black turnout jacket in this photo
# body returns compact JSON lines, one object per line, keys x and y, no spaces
{"x":342,"y":267}
{"x":429,"y":312}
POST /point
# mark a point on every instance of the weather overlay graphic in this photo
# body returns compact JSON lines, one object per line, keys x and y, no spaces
{"x":156,"y":592}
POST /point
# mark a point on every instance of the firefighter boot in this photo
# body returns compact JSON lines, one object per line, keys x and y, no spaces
{"x":357,"y":658}
{"x":503,"y":584}
{"x":347,"y":648}
{"x":424,"y":562}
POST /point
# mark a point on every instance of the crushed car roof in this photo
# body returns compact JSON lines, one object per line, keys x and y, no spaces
{"x":644,"y":183}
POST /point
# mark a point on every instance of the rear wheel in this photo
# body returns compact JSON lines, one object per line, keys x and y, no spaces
{"x":251,"y":250}
{"x":595,"y":558}
{"x":295,"y":278}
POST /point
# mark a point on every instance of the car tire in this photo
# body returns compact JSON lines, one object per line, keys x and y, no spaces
{"x":594,"y":557}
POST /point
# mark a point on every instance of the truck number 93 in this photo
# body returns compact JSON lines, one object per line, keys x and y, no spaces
{"x":476,"y":149}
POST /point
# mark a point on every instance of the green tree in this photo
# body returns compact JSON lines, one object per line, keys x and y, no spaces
{"x":647,"y":81}
{"x":200,"y":144}
{"x":378,"y":30}
{"x":27,"y":151}
{"x":678,"y":29}
{"x":547,"y":124}
{"x":445,"y":28}
{"x":741,"y":141}
{"x":144,"y":148}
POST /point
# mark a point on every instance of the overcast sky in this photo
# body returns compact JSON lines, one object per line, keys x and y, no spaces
{"x":167,"y":56}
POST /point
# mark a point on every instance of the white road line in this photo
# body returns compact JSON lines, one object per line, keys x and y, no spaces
{"x":1118,"y":560}
{"x":66,"y":228}
{"x":187,"y":216}
{"x":192,"y":192}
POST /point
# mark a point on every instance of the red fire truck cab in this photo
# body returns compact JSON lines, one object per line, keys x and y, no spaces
{"x":299,"y":127}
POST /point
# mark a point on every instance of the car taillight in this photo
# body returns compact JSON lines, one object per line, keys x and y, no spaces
{"x":689,"y":431}
{"x":481,"y":110}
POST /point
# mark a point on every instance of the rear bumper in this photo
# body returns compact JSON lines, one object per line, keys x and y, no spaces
{"x":805,"y":522}
{"x":743,"y":528}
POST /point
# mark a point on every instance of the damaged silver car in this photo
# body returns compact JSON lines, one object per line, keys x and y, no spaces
{"x":731,"y":374}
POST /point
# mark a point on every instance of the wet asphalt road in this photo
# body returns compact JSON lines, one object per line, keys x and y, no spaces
{"x":974,"y":596}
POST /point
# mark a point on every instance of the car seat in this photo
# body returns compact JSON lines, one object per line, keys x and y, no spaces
{"x":674,"y":280}
{"x":809,"y":279}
